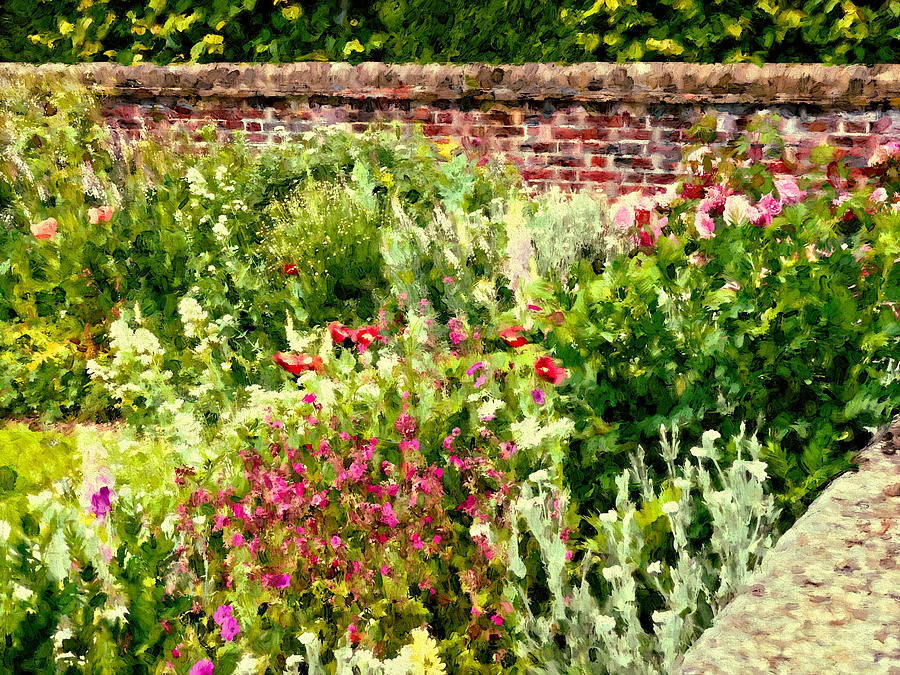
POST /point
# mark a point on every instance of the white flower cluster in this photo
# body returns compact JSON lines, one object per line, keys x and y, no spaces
{"x":197,"y":183}
{"x":192,"y":315}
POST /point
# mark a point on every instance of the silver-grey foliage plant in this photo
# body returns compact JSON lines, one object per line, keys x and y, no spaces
{"x":604,"y":634}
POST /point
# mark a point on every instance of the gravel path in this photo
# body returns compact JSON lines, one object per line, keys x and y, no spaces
{"x":827,"y":597}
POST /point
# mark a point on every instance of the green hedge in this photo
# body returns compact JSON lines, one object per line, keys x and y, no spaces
{"x":452,"y":31}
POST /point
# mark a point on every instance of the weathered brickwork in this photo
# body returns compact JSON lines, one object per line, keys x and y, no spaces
{"x":619,"y":127}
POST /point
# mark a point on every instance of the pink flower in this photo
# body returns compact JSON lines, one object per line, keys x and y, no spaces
{"x":448,"y":280}
{"x":202,"y":667}
{"x":533,"y":308}
{"x":335,"y":542}
{"x":624,"y":217}
{"x":230,"y":628}
{"x":222,"y":612}
{"x":237,"y":540}
{"x":176,"y":653}
{"x":705,"y":225}
{"x":46,"y":229}
{"x":100,"y":504}
{"x":104,"y":213}
{"x":879,"y":195}
{"x":538,"y":396}
{"x":546,"y":369}
{"x":497,"y":620}
{"x":511,"y":337}
{"x":384,"y":570}
{"x":475,"y":367}
{"x":768,"y":204}
{"x":281,"y":581}
{"x":788,"y":190}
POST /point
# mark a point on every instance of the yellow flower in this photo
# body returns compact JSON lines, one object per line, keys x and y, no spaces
{"x":423,"y":654}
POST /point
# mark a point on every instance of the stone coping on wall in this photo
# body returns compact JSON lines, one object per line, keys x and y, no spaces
{"x":642,"y":83}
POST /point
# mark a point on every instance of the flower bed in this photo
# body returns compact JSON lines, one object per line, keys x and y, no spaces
{"x":387,"y":412}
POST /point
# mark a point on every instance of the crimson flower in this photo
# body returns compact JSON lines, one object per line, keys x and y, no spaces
{"x":290,"y":269}
{"x":512,"y":337}
{"x":365,"y":336}
{"x":297,"y":363}
{"x":691,"y":191}
{"x":547,"y":370}
{"x":339,"y":332}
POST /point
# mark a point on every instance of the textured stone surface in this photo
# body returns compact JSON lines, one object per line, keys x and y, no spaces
{"x":627,"y":83}
{"x":827,"y":598}
{"x":620,"y":127}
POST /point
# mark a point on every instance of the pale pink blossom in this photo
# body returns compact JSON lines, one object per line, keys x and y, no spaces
{"x":788,"y":190}
{"x":705,"y":225}
{"x":46,"y":229}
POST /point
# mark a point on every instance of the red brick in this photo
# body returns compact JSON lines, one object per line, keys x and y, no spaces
{"x":445,"y":118}
{"x":661,"y":178}
{"x":881,"y":125}
{"x":566,"y":160}
{"x":567,"y":174}
{"x":436,"y":130}
{"x":256,"y":138}
{"x":600,"y":176}
{"x":568,"y":133}
{"x":598,"y":161}
{"x":422,"y":114}
{"x":634,"y":134}
{"x":532,"y":146}
{"x":856,"y":127}
{"x":634,"y":162}
{"x":538,"y":174}
{"x":819,"y":125}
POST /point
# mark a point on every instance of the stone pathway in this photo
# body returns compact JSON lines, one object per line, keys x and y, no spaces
{"x":827,"y":597}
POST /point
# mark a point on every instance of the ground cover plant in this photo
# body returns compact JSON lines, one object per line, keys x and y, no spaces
{"x":381,"y":410}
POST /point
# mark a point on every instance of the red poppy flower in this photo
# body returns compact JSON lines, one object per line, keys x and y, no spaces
{"x":365,"y":336}
{"x":290,"y":269}
{"x":691,"y":191}
{"x":297,"y":363}
{"x":547,"y":370}
{"x":512,"y":337}
{"x":339,"y":332}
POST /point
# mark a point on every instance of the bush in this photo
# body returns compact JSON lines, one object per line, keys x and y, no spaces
{"x":454,"y":31}
{"x":767,"y":299}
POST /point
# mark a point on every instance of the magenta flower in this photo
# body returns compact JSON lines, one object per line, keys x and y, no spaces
{"x":538,"y":396}
{"x":202,"y":667}
{"x":497,"y":620}
{"x":475,"y":367}
{"x":221,"y":613}
{"x":336,"y":541}
{"x":230,"y":628}
{"x":100,"y":504}
{"x":282,"y":581}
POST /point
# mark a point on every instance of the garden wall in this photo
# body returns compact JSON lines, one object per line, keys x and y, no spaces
{"x":617,"y":126}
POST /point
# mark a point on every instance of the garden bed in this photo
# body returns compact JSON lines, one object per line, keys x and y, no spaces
{"x":361,"y":403}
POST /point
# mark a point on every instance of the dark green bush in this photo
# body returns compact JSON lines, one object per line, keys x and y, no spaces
{"x":454,"y":31}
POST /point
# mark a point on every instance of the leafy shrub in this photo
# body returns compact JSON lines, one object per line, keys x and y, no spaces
{"x":453,"y":31}
{"x":755,"y":305}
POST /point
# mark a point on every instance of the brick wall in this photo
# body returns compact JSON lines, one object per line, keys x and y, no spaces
{"x":618,"y":127}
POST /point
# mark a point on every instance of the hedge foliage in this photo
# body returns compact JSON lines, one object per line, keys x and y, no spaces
{"x":450,"y":31}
